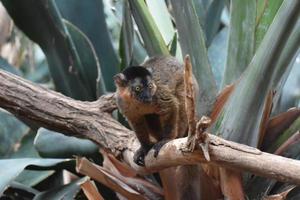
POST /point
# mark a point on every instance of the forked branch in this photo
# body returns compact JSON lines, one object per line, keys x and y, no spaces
{"x":93,"y":120}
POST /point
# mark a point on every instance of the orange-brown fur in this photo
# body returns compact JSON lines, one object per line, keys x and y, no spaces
{"x":165,"y":117}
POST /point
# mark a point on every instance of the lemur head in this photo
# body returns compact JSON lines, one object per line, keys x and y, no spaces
{"x":136,"y":82}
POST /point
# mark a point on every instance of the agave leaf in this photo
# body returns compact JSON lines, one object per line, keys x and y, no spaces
{"x":11,"y":168}
{"x":40,"y":73}
{"x":25,"y":146}
{"x":131,"y":49}
{"x":201,"y":10}
{"x":192,"y":42}
{"x":7,"y":67}
{"x":126,"y":37}
{"x":173,"y":45}
{"x":205,"y":3}
{"x":90,"y":68}
{"x":261,"y":6}
{"x":242,"y":115}
{"x":65,"y":147}
{"x":266,"y":12}
{"x":241,"y":39}
{"x":26,"y":149}
{"x":217,"y":55}
{"x":286,"y":63}
{"x":290,"y":95}
{"x":41,"y":22}
{"x":153,"y":40}
{"x":11,"y":133}
{"x":213,"y":20}
{"x":139,"y":52}
{"x":68,"y":191}
{"x":89,"y":17}
{"x":159,"y":11}
{"x":22,"y":190}
{"x":31,"y":178}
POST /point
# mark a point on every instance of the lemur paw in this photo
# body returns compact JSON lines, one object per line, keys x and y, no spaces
{"x":158,"y":146}
{"x":139,"y":157}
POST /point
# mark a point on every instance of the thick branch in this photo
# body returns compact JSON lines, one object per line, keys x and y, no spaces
{"x":57,"y":112}
{"x":93,"y":120}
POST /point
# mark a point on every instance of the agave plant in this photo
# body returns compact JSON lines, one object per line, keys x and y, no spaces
{"x":244,"y":57}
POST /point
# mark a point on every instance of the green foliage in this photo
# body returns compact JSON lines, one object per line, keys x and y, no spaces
{"x":265,"y":14}
{"x":42,"y":22}
{"x":65,"y":146}
{"x":241,"y":39}
{"x":192,"y":42}
{"x":12,"y":131}
{"x":256,"y":51}
{"x":252,"y":90}
{"x":7,"y":67}
{"x":89,"y":68}
{"x":68,"y":191}
{"x":11,"y":168}
{"x":91,"y":21}
{"x":152,"y":38}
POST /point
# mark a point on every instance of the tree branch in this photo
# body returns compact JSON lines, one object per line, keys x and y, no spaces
{"x":93,"y":120}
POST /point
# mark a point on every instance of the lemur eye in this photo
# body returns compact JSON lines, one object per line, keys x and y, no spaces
{"x":137,"y":88}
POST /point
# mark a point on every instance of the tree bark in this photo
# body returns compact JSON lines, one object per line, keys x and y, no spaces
{"x":93,"y":120}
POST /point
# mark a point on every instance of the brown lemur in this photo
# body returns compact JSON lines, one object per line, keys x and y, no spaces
{"x":152,"y":98}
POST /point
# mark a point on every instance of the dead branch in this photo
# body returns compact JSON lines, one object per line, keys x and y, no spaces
{"x":196,"y":131}
{"x":189,"y":97}
{"x":93,"y":120}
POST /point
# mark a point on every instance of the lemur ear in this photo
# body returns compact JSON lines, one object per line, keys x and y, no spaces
{"x":120,"y":80}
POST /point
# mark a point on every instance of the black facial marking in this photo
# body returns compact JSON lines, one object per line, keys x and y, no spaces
{"x":136,"y":71}
{"x":139,"y":79}
{"x":140,"y":89}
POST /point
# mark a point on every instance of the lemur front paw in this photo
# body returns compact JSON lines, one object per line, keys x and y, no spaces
{"x":139,"y":157}
{"x":158,"y":146}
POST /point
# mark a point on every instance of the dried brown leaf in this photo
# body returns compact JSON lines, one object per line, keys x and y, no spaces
{"x":169,"y":182}
{"x":120,"y":167}
{"x":220,"y":101}
{"x":265,"y":117}
{"x":278,"y":125}
{"x":98,"y":173}
{"x":137,"y":183}
{"x":231,"y":184}
{"x":90,"y":190}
